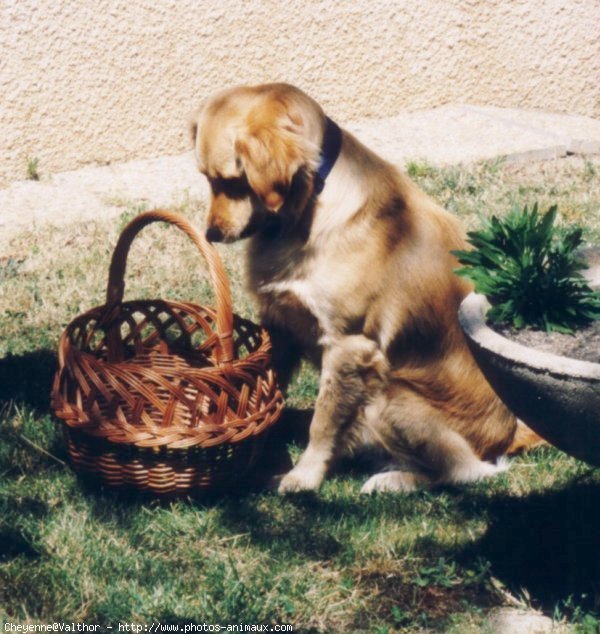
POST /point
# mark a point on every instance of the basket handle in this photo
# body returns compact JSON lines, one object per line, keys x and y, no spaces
{"x":116,"y":283}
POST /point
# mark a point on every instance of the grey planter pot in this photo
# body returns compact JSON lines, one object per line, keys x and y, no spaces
{"x":556,"y":396}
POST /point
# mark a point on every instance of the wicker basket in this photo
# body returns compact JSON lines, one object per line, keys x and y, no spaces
{"x":164,"y":396}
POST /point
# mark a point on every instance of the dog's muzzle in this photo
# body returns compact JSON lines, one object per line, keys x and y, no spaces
{"x":214,"y":234}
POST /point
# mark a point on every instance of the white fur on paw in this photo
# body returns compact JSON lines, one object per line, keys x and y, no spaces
{"x":502,"y":464}
{"x":478,"y":470}
{"x":299,"y":480}
{"x":394,"y":481}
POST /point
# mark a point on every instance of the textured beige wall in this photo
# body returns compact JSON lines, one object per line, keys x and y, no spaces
{"x":96,"y":81}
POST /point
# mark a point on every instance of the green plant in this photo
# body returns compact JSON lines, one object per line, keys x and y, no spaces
{"x":33,"y":172}
{"x":420,"y":169}
{"x":582,"y":621}
{"x":589,"y":171}
{"x":530,"y":271}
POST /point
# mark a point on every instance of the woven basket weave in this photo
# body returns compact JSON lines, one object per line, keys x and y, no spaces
{"x":164,"y":396}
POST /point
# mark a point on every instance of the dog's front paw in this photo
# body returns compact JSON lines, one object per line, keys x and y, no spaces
{"x":298,"y":480}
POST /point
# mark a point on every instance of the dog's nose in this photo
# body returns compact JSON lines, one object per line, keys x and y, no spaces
{"x":214,"y":234}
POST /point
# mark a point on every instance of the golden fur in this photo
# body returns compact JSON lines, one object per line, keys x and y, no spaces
{"x":360,"y":280}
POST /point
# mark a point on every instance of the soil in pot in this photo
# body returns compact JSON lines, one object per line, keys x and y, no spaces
{"x":583,"y":345}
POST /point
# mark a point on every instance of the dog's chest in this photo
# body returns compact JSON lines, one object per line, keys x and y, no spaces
{"x":311,"y":301}
{"x":315,"y":290}
{"x":302,"y":305}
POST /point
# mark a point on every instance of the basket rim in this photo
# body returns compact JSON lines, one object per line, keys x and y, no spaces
{"x":98,"y":313}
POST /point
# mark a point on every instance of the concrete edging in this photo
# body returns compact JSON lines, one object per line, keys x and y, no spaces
{"x":472,"y":319}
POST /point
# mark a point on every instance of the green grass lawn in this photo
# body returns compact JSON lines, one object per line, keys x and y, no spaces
{"x":326,"y":562}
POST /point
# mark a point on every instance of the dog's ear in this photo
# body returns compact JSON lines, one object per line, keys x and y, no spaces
{"x":271,"y":149}
{"x":193,"y":122}
{"x":193,"y":130}
{"x":193,"y":126}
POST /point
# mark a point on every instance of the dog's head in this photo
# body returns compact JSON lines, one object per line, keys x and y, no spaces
{"x":258,"y":147}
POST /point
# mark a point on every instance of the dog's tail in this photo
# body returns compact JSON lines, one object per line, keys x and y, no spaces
{"x":525,"y":439}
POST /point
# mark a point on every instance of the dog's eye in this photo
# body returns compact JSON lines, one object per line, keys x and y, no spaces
{"x":231,"y":187}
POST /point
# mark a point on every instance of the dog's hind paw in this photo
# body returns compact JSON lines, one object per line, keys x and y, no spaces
{"x":394,"y":481}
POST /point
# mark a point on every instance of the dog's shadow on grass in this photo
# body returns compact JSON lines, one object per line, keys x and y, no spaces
{"x":27,"y":379}
{"x":543,"y":545}
{"x":546,"y":543}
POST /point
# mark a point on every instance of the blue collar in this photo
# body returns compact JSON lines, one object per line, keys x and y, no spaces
{"x":330,"y":150}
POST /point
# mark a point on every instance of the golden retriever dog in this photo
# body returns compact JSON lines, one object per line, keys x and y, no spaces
{"x":351,"y":266}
